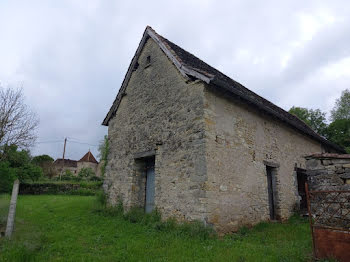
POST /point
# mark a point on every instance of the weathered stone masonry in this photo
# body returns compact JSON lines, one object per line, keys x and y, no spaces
{"x":328,"y":171}
{"x":160,"y":112}
{"x":239,"y":143}
{"x":212,"y":141}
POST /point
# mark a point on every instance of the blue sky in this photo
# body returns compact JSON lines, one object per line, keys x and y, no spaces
{"x":70,"y":57}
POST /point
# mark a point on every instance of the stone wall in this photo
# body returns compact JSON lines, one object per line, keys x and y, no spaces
{"x":328,"y":171}
{"x":240,"y":142}
{"x":160,"y":113}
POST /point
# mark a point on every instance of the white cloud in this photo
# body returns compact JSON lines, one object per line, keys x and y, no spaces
{"x":71,"y":56}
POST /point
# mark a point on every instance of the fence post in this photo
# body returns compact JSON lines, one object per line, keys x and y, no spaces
{"x":12,"y":210}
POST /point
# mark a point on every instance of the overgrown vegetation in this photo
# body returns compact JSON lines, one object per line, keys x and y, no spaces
{"x":154,"y":220}
{"x":78,"y":228}
{"x":103,"y":153}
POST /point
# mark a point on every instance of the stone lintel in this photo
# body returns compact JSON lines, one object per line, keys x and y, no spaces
{"x":144,"y":154}
{"x":271,"y":164}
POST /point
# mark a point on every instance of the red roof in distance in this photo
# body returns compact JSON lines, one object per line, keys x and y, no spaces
{"x":88,"y":157}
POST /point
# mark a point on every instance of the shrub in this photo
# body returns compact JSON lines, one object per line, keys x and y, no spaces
{"x":86,"y":173}
{"x":68,"y":176}
{"x":103,"y":152}
{"x":7,"y":177}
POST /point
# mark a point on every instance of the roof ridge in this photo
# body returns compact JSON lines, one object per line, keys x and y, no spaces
{"x":191,"y":66}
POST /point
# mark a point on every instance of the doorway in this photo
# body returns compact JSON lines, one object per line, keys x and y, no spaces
{"x":301,"y":180}
{"x":272,"y":191}
{"x":150,"y":185}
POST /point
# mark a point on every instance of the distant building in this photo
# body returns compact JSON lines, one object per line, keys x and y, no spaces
{"x":74,"y":166}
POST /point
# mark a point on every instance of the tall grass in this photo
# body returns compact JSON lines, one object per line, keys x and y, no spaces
{"x":154,"y":220}
{"x":79,"y":228}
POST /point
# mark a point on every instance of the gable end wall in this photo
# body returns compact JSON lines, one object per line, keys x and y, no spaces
{"x":163,"y":113}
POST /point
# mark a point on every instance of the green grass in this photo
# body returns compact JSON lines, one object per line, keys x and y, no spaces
{"x":76,"y":228}
{"x":4,"y":205}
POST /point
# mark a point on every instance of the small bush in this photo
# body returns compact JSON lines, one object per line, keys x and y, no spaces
{"x":86,"y":173}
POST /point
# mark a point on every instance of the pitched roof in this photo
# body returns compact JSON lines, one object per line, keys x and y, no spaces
{"x":192,"y":67}
{"x":88,"y":157}
{"x":67,"y":162}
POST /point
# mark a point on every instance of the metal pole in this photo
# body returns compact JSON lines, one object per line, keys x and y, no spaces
{"x":64,"y":151}
{"x":310,"y":218}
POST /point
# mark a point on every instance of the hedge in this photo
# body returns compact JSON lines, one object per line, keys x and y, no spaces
{"x":60,"y":188}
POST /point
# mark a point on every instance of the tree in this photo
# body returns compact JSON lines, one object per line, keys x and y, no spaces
{"x":17,"y":122}
{"x":42,"y":160}
{"x":339,"y":132}
{"x":314,"y":118}
{"x":46,"y":163}
{"x":86,"y":173}
{"x":103,"y":149}
{"x":341,"y":110}
{"x":16,"y":164}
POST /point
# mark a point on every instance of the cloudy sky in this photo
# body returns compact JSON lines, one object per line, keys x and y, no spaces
{"x":70,"y":57}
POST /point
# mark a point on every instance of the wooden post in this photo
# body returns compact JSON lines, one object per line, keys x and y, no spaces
{"x":64,"y":151}
{"x":12,"y":210}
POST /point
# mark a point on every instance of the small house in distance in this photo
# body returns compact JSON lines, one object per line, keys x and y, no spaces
{"x":188,"y":140}
{"x":74,"y":166}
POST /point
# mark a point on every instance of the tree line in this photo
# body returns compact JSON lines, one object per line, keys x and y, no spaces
{"x":338,"y":130}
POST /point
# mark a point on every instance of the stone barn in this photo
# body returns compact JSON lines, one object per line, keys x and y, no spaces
{"x":195,"y":144}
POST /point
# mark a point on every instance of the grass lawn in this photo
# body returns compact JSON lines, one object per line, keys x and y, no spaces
{"x":73,"y":228}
